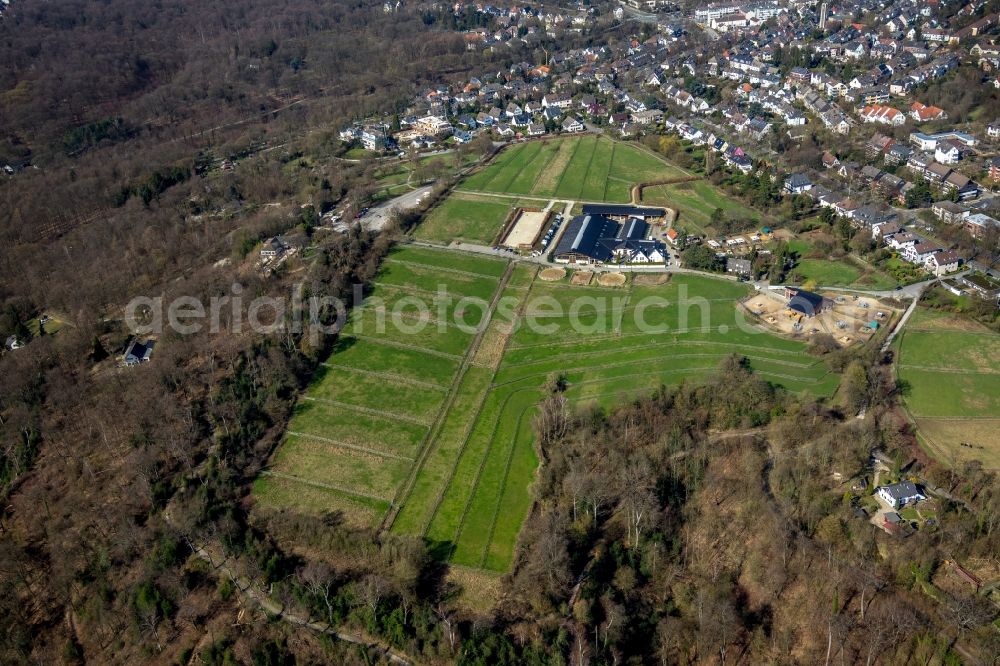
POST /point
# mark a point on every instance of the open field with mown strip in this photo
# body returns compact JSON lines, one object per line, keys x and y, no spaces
{"x":473,"y":495}
{"x":950,"y":367}
{"x":360,"y":429}
{"x":585,"y":168}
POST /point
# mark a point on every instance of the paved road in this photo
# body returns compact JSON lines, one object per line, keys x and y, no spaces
{"x":902,"y":322}
{"x":376,"y":218}
{"x":909,"y":291}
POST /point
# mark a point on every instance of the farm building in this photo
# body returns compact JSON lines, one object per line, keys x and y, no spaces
{"x":622,"y":212}
{"x":805,"y":302}
{"x":595,"y":238}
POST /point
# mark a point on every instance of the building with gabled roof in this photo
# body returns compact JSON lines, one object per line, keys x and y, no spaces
{"x":900,"y":494}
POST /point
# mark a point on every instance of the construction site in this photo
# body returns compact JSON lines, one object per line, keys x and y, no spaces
{"x":847,"y":318}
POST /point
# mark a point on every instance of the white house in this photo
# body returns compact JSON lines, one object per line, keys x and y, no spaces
{"x":798,"y":183}
{"x":558,"y":101}
{"x":946,"y":153}
{"x":900,"y":494}
{"x":919,"y":253}
{"x":138,"y":352}
{"x":942,"y":263}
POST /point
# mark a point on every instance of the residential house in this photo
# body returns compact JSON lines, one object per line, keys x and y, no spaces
{"x":898,"y":154}
{"x":798,"y":183}
{"x":943,"y":262}
{"x":993,"y":166}
{"x":919,"y":253}
{"x":901,"y":241}
{"x":900,"y":494}
{"x":885,"y":115}
{"x":949,"y":212}
{"x":946,"y":152}
{"x":273,"y":247}
{"x":558,"y":101}
{"x":648,"y":117}
{"x":961,"y":184}
{"x":571,"y":124}
{"x":922,"y":113}
{"x":138,"y":352}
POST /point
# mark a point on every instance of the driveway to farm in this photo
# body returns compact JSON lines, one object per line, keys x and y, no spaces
{"x":378,"y":215}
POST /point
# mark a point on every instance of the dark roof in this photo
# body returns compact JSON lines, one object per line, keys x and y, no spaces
{"x":805,"y":302}
{"x":635,"y":229}
{"x":902,"y":490}
{"x":797,"y":180}
{"x":619,"y":210}
{"x":582,"y":236}
{"x":599,"y":237}
{"x":139,"y":351}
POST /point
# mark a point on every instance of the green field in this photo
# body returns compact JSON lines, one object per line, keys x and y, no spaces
{"x":431,"y":432}
{"x":472,"y":491}
{"x":847,"y":272}
{"x":825,"y":272}
{"x":464,"y":217}
{"x":356,"y":434}
{"x":951,"y":368}
{"x":696,"y":201}
{"x":585,"y":168}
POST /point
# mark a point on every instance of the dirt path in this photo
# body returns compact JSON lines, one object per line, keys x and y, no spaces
{"x":272,"y":607}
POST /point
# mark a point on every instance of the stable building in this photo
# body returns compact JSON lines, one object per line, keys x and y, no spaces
{"x":622,"y":212}
{"x":598,"y":239}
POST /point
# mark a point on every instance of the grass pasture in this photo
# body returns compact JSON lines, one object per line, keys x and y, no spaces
{"x":951,"y":368}
{"x":355,"y":435}
{"x":584,"y":168}
{"x":695,"y":202}
{"x":464,"y":217}
{"x":472,"y":493}
{"x":431,"y":433}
